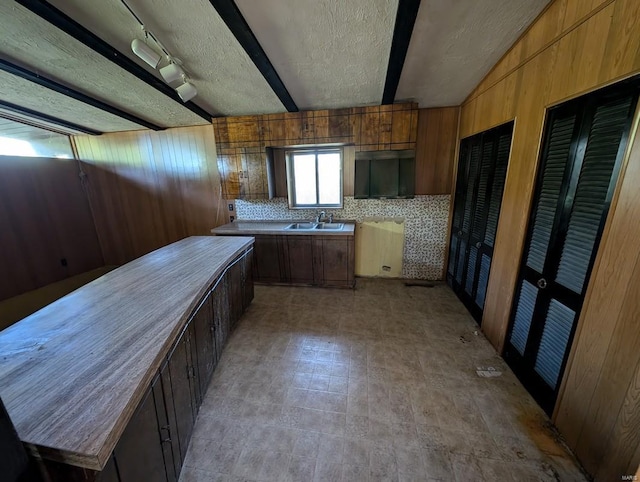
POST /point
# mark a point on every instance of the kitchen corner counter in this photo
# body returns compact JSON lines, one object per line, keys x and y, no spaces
{"x":240,"y":228}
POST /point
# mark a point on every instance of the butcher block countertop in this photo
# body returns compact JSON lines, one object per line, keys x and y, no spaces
{"x":279,"y":227}
{"x":73,"y":373}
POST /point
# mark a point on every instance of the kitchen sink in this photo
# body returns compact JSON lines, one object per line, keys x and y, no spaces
{"x":303,"y":226}
{"x":330,"y":226}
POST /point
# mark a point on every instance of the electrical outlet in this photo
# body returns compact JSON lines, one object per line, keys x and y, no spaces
{"x":230,"y":207}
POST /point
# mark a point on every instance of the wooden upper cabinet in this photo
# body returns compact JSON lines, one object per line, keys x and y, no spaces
{"x":230,"y":168}
{"x":284,"y":129}
{"x":403,"y":128}
{"x":368,"y":137}
{"x":241,"y":141}
{"x":435,"y":150}
{"x":339,"y":126}
{"x":384,"y":129}
{"x":245,"y":131}
{"x":307,"y":130}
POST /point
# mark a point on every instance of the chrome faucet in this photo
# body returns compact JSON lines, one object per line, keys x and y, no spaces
{"x":319,"y":216}
{"x":331,"y":218}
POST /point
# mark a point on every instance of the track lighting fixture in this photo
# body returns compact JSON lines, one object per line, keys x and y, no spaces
{"x":146,"y":53}
{"x":172,"y":72}
{"x":186,"y":91}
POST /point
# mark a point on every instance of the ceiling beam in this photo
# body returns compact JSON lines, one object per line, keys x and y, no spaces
{"x":18,"y":109}
{"x":405,"y":20}
{"x":65,"y":23}
{"x":231,"y":15}
{"x":74,"y":94}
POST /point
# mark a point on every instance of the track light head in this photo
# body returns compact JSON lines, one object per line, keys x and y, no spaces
{"x":172,"y":72}
{"x":186,"y":91}
{"x":144,"y":52}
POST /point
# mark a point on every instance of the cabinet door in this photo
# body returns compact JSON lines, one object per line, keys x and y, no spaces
{"x":402,"y":126}
{"x":244,"y":131}
{"x":221,"y":318}
{"x":234,"y":273}
{"x":139,"y":454}
{"x":204,"y":346}
{"x":321,"y":126}
{"x":340,"y":127}
{"x":109,"y":473}
{"x":180,"y":391}
{"x":308,"y":131}
{"x":170,"y":429}
{"x":299,"y":256}
{"x":254,"y":177}
{"x":247,"y":279}
{"x":230,"y":167}
{"x":386,"y":120}
{"x":369,"y":134}
{"x":267,"y":259}
{"x":333,"y":258}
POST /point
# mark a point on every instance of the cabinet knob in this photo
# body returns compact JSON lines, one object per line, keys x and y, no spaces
{"x":478,"y":245}
{"x":542,"y":283}
{"x":460,"y":233}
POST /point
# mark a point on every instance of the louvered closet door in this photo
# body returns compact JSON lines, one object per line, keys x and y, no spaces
{"x":495,"y":148}
{"x":468,"y":165}
{"x":585,"y":141}
{"x":482,"y":172}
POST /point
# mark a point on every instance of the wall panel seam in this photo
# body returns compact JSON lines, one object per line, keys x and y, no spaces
{"x":549,"y":44}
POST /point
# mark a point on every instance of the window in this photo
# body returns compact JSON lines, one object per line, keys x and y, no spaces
{"x":22,"y":140}
{"x":314,"y":178}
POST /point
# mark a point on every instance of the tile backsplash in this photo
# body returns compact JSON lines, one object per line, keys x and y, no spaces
{"x":425,"y":225}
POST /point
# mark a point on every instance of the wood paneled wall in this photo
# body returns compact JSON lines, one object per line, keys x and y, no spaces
{"x":148,"y":189}
{"x":575,"y":46}
{"x":44,"y":218}
{"x":435,"y":149}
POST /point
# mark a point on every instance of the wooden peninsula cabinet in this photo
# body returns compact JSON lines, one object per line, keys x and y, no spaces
{"x":105,"y":384}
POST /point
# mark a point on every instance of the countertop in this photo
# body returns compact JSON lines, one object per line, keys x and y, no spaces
{"x":278,"y":227}
{"x":72,"y":374}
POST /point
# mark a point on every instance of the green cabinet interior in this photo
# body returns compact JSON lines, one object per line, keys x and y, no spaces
{"x":385,"y":174}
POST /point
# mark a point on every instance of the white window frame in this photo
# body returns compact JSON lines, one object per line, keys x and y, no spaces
{"x":291,"y":178}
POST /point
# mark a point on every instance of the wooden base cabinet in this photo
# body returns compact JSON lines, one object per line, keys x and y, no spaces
{"x":308,"y":260}
{"x":154,"y":443}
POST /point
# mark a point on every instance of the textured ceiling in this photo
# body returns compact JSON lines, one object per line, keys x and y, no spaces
{"x":37,"y":45}
{"x":32,"y":96}
{"x":455,"y":44}
{"x":329,"y":53}
{"x":228,"y":82}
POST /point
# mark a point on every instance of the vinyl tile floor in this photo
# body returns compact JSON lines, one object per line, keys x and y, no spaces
{"x":379,"y":383}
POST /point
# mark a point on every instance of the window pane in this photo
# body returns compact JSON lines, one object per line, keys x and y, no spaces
{"x":18,"y":139}
{"x":304,"y":172}
{"x":329,"y":177}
